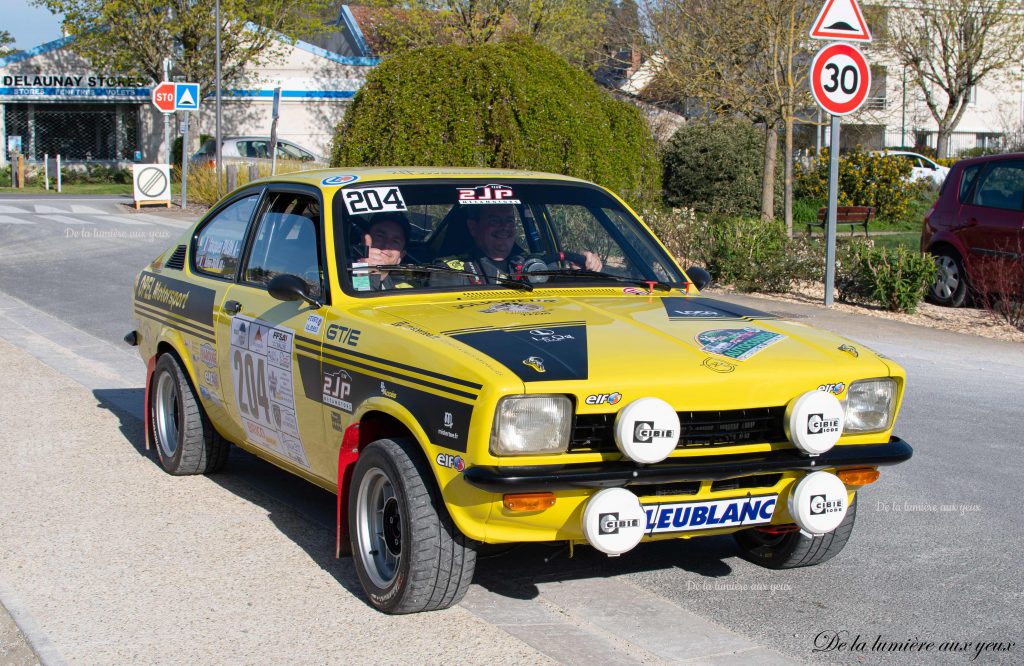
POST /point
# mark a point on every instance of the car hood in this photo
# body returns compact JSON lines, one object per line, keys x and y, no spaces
{"x":692,"y":350}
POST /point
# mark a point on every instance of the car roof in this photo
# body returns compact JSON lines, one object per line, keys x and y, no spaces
{"x":903,"y":152}
{"x":369,"y":174}
{"x":990,"y":158}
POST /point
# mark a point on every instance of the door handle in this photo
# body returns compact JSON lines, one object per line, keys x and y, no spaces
{"x":232,"y":307}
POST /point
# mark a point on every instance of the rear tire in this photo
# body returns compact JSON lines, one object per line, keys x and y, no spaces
{"x":793,"y":549}
{"x":409,"y":555}
{"x":186,"y":441}
{"x":950,"y":287}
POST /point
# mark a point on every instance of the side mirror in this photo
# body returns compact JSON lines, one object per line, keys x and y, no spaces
{"x":701,"y":278}
{"x":286,"y":287}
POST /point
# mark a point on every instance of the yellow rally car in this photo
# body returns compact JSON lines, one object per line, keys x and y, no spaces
{"x":470,"y":356}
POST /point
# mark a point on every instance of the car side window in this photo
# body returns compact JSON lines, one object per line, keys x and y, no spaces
{"x":1001,"y":187}
{"x":292,"y":152}
{"x":967,"y":179}
{"x":256,"y":149}
{"x":218,"y":244}
{"x":287,"y":242}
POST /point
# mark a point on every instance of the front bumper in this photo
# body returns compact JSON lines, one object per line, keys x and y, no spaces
{"x":613,"y":474}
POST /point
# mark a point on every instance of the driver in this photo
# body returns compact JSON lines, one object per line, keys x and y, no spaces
{"x":495,"y":253}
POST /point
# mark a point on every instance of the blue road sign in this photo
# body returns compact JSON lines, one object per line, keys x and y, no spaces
{"x":186,"y":96}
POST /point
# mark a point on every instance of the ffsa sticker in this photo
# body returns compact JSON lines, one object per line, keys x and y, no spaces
{"x":374,"y":200}
{"x":261,"y":374}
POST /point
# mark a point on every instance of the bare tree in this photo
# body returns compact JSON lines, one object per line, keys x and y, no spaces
{"x":950,"y":47}
{"x":746,"y":57}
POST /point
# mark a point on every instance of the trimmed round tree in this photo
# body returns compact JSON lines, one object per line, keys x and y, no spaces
{"x":511,"y":105}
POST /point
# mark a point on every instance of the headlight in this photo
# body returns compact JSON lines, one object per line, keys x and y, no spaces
{"x":529,"y":424}
{"x":869,"y":405}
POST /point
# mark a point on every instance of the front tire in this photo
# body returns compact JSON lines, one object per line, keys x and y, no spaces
{"x":186,"y":441}
{"x":950,"y":285}
{"x":793,"y":549}
{"x":409,"y":555}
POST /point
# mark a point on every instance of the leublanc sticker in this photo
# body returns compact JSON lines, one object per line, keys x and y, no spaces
{"x":374,"y":200}
{"x":339,"y":180}
{"x":487,"y":194}
{"x":737,"y":343}
{"x":690,"y":516}
{"x":261,"y":373}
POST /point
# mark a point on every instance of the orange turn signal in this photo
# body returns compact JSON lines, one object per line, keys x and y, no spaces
{"x":529,"y":501}
{"x":858,"y":477}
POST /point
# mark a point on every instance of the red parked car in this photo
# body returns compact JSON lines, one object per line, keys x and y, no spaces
{"x":975,"y":230}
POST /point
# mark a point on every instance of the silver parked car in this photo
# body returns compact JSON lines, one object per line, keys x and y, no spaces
{"x":252,"y":149}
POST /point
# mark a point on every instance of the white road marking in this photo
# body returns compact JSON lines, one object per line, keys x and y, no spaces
{"x":88,"y":210}
{"x":14,"y":209}
{"x":64,"y":219}
{"x":7,"y":219}
{"x":122,"y":218}
{"x":46,"y":210}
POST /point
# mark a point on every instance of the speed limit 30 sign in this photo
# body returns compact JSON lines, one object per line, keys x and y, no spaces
{"x":840,"y":79}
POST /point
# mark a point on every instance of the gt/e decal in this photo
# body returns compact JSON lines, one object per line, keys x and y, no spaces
{"x":374,"y":200}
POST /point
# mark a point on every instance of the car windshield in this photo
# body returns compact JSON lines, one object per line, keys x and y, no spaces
{"x":491,"y":233}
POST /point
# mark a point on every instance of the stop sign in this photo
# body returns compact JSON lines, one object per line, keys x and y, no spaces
{"x":163,"y":97}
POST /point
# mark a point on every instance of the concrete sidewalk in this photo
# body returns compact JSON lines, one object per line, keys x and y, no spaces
{"x":122,"y":563}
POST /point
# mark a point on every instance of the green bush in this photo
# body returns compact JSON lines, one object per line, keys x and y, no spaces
{"x":748,"y":253}
{"x":716,"y":166}
{"x":895,"y":278}
{"x":513,"y":105}
{"x":865,"y":179}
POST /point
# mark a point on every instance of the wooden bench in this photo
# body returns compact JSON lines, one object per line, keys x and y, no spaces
{"x":853,"y":216}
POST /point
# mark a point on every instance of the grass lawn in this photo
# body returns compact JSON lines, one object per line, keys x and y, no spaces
{"x":806,"y":210}
{"x":911,"y":240}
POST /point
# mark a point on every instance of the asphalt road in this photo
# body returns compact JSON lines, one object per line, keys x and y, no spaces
{"x":936,"y":555}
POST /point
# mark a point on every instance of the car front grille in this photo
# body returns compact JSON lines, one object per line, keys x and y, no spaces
{"x":595,"y":432}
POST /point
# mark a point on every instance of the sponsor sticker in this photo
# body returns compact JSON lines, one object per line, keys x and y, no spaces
{"x":513,"y":307}
{"x":330,"y":181}
{"x":834,"y":389}
{"x":386,"y":392}
{"x":447,"y":430}
{"x":737,"y":343}
{"x":208,"y":355}
{"x":337,"y":389}
{"x":718,"y":365}
{"x":820,"y":505}
{"x":336,"y":421}
{"x":714,"y":514}
{"x":548,"y":335}
{"x":487,"y":194}
{"x":343,"y":335}
{"x":636,"y":291}
{"x":535,"y":362}
{"x":850,"y":349}
{"x":644,"y":432}
{"x":313,"y":324}
{"x":603,"y":399}
{"x":609,"y":523}
{"x":817,"y":424}
{"x":451,"y":462}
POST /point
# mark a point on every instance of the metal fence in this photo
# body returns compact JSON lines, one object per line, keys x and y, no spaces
{"x":959,"y":142}
{"x":74,"y":131}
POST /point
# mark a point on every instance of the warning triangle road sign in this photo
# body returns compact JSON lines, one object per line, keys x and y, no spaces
{"x":841,"y":19}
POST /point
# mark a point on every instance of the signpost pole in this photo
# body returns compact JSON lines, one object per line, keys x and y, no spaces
{"x":274,"y":114}
{"x":167,"y":117}
{"x":833,"y":206}
{"x":184,"y":163}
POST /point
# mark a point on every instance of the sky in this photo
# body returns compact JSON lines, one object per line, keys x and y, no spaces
{"x":29,"y":25}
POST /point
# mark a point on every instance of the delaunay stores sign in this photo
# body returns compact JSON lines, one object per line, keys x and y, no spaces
{"x":43,"y":86}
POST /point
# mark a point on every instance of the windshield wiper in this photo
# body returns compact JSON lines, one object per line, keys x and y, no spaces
{"x":597,"y":275}
{"x":430,"y":268}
